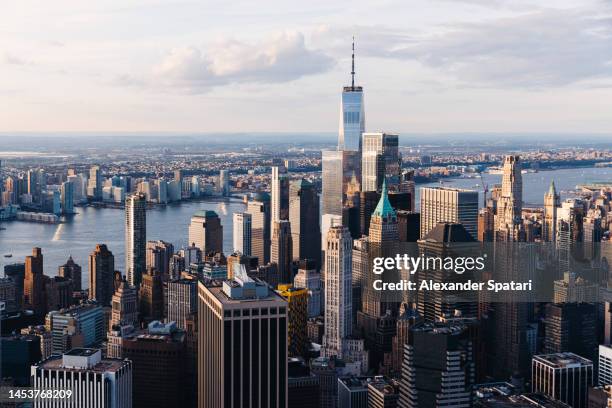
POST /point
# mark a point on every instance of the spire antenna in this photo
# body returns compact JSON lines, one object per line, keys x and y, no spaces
{"x":353,"y":66}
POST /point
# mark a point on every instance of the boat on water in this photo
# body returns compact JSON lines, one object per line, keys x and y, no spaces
{"x":8,"y":255}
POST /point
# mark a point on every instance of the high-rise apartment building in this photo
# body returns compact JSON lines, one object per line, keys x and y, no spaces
{"x":242,"y":361}
{"x":151,"y":296}
{"x":242,"y":225}
{"x":159,"y":254}
{"x":94,"y":187}
{"x":67,"y":197}
{"x":101,"y":274}
{"x":206,"y":232}
{"x":380,"y":161}
{"x":282,"y":247}
{"x":72,"y":271}
{"x":34,"y":283}
{"x":135,"y":238}
{"x":95,"y":382}
{"x":304,"y":218}
{"x":259,"y":208}
{"x":309,"y":278}
{"x":352,"y":114}
{"x":565,"y":377}
{"x":280,"y":193}
{"x":181,"y":301}
{"x":338,"y":291}
{"x":442,"y":204}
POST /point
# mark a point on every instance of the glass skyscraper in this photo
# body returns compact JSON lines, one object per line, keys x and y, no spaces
{"x":352,"y":114}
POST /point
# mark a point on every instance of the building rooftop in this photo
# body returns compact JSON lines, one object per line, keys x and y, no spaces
{"x":447,"y":232}
{"x":56,"y":362}
{"x":205,"y":214}
{"x":563,"y":360}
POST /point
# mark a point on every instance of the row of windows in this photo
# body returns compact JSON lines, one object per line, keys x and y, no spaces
{"x":254,"y":312}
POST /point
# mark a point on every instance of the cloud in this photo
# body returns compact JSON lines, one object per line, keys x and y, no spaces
{"x":11,"y":59}
{"x":545,"y":48}
{"x":282,"y":58}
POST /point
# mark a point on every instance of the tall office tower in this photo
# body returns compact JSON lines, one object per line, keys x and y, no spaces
{"x":308,"y":278}
{"x":181,"y":300}
{"x":241,"y":362}
{"x":510,"y":203}
{"x":297,"y":316}
{"x":605,"y":365}
{"x":101,"y":274}
{"x":34,"y":283}
{"x":383,"y":393}
{"x":441,"y":204}
{"x":158,"y":356}
{"x":569,"y":227}
{"x":446,"y":240}
{"x":327,"y":221}
{"x":259,"y":208}
{"x":304,"y":218}
{"x":438,"y":369}
{"x":67,"y":197}
{"x":94,"y":187}
{"x":8,"y":295}
{"x":573,"y":288}
{"x":383,"y":242}
{"x":353,"y":392}
{"x":242,"y":233}
{"x":338,"y":291}
{"x":72,"y":271}
{"x":206,"y":232}
{"x":124,"y":307}
{"x":303,"y":386}
{"x":280,"y":193}
{"x":151,"y":297}
{"x":486,"y":224}
{"x":224,"y":183}
{"x":571,"y":327}
{"x":380,"y":161}
{"x":101,"y":382}
{"x":135,"y":238}
{"x":34,"y":185}
{"x":565,"y":377}
{"x":159,"y":254}
{"x":77,"y":326}
{"x":551,"y":203}
{"x":282,"y":248}
{"x":340,"y":170}
{"x":19,"y":352}
{"x":352,"y":114}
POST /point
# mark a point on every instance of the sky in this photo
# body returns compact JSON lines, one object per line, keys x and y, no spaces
{"x":427,"y":66}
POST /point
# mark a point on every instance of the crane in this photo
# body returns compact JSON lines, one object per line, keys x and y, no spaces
{"x":485,"y":189}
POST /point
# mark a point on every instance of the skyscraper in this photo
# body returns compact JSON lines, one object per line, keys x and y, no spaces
{"x":241,"y":361}
{"x":441,"y":204}
{"x":380,"y":161}
{"x":280,"y":193}
{"x":304,"y":218}
{"x":159,"y":254}
{"x":181,"y":300}
{"x":206,"y":232}
{"x":34,"y":283}
{"x":297,"y":314}
{"x":72,"y":271}
{"x":135,"y":238}
{"x":340,"y":170}
{"x":352,"y":114}
{"x":101,"y":273}
{"x":67,"y":197}
{"x":282,"y":248}
{"x":124,"y":306}
{"x":565,"y":377}
{"x":259,"y":208}
{"x":308,"y":278}
{"x":100,"y":382}
{"x":224,"y":185}
{"x":510,"y":203}
{"x":338,"y":291}
{"x":438,"y":369}
{"x":151,"y":297}
{"x":94,"y":187}
{"x":242,"y":224}
{"x":551,"y":203}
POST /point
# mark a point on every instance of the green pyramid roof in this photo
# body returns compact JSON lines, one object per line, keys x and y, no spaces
{"x":384,"y":208}
{"x":551,"y":189}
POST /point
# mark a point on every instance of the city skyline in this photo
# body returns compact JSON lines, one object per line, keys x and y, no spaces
{"x":479,"y":66}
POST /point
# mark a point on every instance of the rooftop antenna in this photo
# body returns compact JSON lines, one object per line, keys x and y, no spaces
{"x":353,"y":66}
